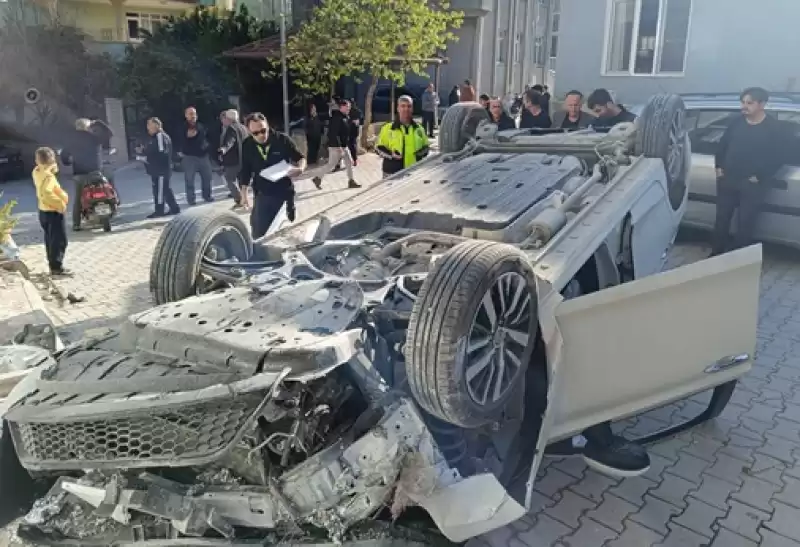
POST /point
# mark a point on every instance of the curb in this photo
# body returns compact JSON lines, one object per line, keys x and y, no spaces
{"x":23,"y":305}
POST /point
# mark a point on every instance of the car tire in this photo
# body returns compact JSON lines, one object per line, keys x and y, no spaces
{"x":450,"y":316}
{"x":174,"y":268}
{"x":14,"y":480}
{"x":459,"y":124}
{"x":662,"y":134}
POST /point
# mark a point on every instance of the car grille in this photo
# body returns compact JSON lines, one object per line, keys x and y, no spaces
{"x":171,"y":437}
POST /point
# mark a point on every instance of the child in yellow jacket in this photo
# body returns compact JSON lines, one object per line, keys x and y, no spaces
{"x":53,"y":202}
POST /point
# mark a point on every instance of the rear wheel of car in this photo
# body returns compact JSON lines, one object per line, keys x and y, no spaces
{"x":460,"y":124}
{"x":662,"y":134}
{"x":472,"y":332}
{"x":185,"y":241}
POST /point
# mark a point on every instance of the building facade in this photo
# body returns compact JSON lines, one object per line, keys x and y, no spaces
{"x":503,"y":45}
{"x":637,"y":48}
{"x":110,"y":25}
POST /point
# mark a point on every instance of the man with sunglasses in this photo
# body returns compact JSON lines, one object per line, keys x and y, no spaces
{"x":264,"y":148}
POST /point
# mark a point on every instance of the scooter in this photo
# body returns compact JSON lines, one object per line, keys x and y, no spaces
{"x":99,"y":201}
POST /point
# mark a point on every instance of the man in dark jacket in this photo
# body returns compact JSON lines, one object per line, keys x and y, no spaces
{"x":572,"y":117}
{"x":356,"y":119}
{"x":194,"y":157}
{"x":265,"y":148}
{"x":534,"y":115}
{"x":85,"y":153}
{"x":454,"y":96}
{"x":498,"y":115}
{"x":314,"y":128}
{"x":230,"y":152}
{"x":750,"y":155}
{"x":158,"y":163}
{"x":338,"y":141}
{"x":608,"y":112}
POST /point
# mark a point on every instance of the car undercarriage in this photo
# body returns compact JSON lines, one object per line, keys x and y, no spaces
{"x":390,"y":370}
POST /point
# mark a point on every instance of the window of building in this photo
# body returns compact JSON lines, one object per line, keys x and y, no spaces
{"x":138,"y":22}
{"x":502,"y":46}
{"x":647,"y":37}
{"x":555,"y":25}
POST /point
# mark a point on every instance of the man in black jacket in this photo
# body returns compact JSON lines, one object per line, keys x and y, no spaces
{"x":355,"y":123}
{"x":609,"y":113}
{"x":194,"y":157}
{"x":230,"y":153}
{"x":338,"y":141}
{"x":85,"y":153}
{"x":534,"y":115}
{"x":750,"y":154}
{"x":158,"y":163}
{"x":265,"y":148}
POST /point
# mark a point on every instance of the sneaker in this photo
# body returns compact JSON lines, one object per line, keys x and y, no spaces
{"x":355,"y":163}
{"x":617,"y":457}
{"x":337,"y":169}
{"x":236,"y":206}
{"x":317,"y":182}
{"x":155,"y":215}
{"x":173,"y":212}
{"x":61,"y":272}
{"x":209,"y":200}
{"x":353,"y":184}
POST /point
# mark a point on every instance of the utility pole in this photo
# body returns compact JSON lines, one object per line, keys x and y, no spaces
{"x":284,"y":67}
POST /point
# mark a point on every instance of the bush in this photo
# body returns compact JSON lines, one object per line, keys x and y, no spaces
{"x":7,"y":220}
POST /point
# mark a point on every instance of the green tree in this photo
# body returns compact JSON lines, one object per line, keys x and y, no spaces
{"x":384,"y":38}
{"x":181,"y":62}
{"x":52,"y":58}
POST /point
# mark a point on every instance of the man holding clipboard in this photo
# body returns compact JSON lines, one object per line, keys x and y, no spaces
{"x":270,"y":160}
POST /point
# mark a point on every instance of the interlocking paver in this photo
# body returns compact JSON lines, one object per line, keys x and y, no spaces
{"x":785,"y":521}
{"x":655,"y":514}
{"x":612,"y":512}
{"x":726,"y":538}
{"x":744,"y":520}
{"x":771,"y":539}
{"x":699,"y":517}
{"x":679,"y":536}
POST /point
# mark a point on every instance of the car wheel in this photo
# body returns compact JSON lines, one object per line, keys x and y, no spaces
{"x":662,"y":134}
{"x":185,"y":241}
{"x":14,"y":480}
{"x":459,"y":124}
{"x":472,"y":332}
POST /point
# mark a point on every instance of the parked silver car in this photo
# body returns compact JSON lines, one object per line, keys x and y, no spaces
{"x":707,"y":118}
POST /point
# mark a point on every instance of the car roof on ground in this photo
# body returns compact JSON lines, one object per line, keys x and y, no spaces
{"x":726,"y":101}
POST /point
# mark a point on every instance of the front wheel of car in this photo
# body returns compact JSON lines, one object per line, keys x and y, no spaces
{"x":186,"y":241}
{"x":472,"y":332}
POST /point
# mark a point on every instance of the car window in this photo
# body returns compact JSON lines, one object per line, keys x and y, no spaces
{"x":706,"y":128}
{"x":792,"y":120}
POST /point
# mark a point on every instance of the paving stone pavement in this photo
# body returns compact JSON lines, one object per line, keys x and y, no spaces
{"x":112,"y":269}
{"x":732,"y":482}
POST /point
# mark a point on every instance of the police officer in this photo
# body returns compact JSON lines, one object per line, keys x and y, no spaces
{"x":264,"y":148}
{"x":403,"y":142}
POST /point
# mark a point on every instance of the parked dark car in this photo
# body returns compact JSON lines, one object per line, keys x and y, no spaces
{"x":11,"y":165}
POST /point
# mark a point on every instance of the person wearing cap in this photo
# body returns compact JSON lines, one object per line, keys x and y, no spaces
{"x":402,"y":143}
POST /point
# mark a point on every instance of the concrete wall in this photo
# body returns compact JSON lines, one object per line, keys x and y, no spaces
{"x":732,"y":44}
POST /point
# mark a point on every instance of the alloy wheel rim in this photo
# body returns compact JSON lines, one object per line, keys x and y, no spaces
{"x":498,"y":338}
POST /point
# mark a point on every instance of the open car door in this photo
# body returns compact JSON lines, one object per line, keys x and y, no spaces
{"x":650,"y":342}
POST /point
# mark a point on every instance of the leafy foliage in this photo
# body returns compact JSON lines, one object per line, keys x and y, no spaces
{"x":181,"y":63}
{"x":7,"y":220}
{"x":52,"y":58}
{"x":385,"y":38}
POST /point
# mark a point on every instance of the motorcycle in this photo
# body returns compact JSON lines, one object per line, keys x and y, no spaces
{"x":99,"y":201}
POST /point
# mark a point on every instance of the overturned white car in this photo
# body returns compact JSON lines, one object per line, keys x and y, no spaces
{"x":423,"y":344}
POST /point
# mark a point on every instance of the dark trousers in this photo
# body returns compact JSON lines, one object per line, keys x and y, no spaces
{"x":265,"y":208}
{"x":195,"y":165}
{"x":55,"y":238}
{"x":428,"y":122}
{"x":735,"y":194}
{"x":313,"y":143}
{"x":162,"y":193}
